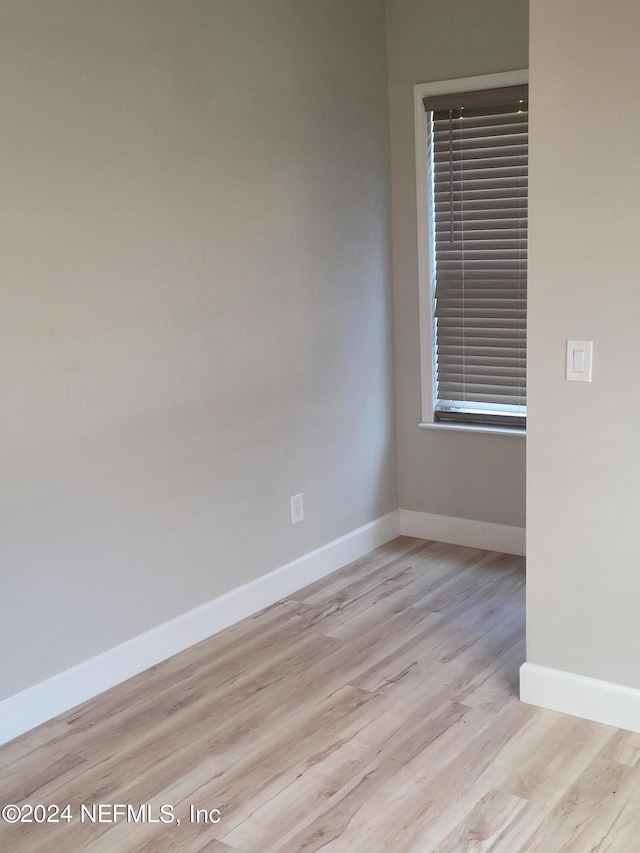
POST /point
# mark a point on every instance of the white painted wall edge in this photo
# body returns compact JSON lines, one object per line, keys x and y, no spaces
{"x":58,"y":694}
{"x":589,"y":698}
{"x":463,"y":531}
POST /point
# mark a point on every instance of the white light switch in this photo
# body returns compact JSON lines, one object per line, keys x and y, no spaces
{"x":579,"y":359}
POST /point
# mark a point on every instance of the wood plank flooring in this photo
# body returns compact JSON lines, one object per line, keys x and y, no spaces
{"x":375,"y":710}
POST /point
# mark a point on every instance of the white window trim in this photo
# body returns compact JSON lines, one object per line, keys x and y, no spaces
{"x":425,"y":271}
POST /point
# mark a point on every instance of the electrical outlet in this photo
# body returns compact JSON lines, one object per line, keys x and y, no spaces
{"x":297,"y":509}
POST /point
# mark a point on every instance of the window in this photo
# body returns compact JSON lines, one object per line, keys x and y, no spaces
{"x":472,"y":197}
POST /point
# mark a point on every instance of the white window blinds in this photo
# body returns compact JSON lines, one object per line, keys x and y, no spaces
{"x":478,"y":167}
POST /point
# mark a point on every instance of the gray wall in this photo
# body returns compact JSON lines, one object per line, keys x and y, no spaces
{"x":464,"y":475}
{"x":195,"y":305}
{"x":583,"y":583}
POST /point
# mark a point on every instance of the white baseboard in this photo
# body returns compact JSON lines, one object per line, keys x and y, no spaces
{"x":463,"y":531}
{"x":589,"y":698}
{"x":64,"y":691}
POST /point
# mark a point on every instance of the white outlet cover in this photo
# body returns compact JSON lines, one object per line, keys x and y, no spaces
{"x":297,"y":509}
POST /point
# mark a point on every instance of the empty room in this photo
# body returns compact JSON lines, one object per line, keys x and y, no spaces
{"x":315,"y":320}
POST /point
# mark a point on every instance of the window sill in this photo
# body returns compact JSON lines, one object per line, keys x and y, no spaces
{"x":491,"y":430}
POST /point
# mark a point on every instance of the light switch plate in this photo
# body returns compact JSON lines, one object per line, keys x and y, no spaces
{"x":579,"y":361}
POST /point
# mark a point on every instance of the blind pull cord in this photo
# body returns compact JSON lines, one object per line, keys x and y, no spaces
{"x":451,"y":240}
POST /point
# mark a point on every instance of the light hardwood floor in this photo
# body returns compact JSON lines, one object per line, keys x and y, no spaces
{"x":375,"y":710}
